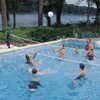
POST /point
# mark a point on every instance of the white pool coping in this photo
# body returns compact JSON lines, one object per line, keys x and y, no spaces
{"x":4,"y":49}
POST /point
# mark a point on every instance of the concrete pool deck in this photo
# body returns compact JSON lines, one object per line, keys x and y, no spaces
{"x":5,"y":49}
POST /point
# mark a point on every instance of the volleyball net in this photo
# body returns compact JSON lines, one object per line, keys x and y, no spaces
{"x":20,"y":41}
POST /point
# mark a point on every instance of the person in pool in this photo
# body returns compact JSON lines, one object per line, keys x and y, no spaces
{"x":91,"y":55}
{"x":34,"y":83}
{"x":30,"y":59}
{"x":76,"y":49}
{"x":61,"y":51}
{"x":36,"y":72}
{"x":83,"y":72}
{"x":89,"y":46}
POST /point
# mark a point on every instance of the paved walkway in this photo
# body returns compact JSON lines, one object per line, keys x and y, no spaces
{"x":4,"y":48}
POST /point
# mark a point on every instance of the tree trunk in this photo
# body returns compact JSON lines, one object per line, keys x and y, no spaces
{"x":48,"y":21}
{"x":58,"y":7}
{"x":88,"y":14}
{"x":98,"y":12}
{"x":58,"y":18}
{"x":4,"y":14}
{"x":8,"y":17}
{"x":40,"y":12}
{"x":14,"y":13}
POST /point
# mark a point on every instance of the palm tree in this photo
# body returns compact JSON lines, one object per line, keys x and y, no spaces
{"x":4,"y":14}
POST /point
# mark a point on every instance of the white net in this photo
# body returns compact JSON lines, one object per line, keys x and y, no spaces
{"x":20,"y":41}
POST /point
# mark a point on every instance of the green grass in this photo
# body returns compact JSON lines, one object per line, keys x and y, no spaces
{"x":44,"y":34}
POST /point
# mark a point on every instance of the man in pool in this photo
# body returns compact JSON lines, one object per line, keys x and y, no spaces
{"x":83,"y":72}
{"x":34,"y":84}
{"x":61,"y":51}
{"x":30,"y":60}
{"x":36,"y":72}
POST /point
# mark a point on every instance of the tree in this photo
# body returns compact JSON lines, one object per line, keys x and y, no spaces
{"x":53,"y":5}
{"x":8,"y":9}
{"x":48,"y":5}
{"x":40,"y":12}
{"x":14,"y":2}
{"x":58,"y":7}
{"x":97,"y":2}
{"x":4,"y":14}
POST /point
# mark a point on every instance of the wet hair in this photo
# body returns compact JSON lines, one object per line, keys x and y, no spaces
{"x":82,"y":66}
{"x":63,"y":46}
{"x":34,"y":70}
{"x":92,"y":49}
{"x":89,"y":40}
{"x":27,"y":57}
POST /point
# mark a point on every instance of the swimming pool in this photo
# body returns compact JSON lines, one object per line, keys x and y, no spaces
{"x":58,"y":83}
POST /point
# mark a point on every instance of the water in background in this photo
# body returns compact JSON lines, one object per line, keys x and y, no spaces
{"x":23,"y":20}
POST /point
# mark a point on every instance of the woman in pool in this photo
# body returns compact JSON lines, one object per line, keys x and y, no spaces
{"x":91,"y":55}
{"x":83,"y":72}
{"x":89,"y":46}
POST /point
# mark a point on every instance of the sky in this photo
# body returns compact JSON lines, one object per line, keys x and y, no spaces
{"x":82,"y":3}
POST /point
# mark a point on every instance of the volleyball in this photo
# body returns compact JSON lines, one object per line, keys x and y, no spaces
{"x":50,"y":13}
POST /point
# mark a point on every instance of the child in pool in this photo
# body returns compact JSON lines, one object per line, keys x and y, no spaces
{"x":76,"y":49}
{"x":83,"y":72}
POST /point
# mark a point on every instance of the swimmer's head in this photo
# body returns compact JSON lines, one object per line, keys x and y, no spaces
{"x":34,"y":70}
{"x":63,"y":46}
{"x":27,"y":56}
{"x":92,"y":49}
{"x":82,"y":66}
{"x":89,"y":40}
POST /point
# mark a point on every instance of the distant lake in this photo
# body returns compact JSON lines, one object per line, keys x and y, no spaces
{"x":23,"y":20}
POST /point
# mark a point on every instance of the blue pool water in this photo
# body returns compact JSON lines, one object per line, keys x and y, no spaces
{"x":58,"y":83}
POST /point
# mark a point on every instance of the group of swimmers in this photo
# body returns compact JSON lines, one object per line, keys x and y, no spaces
{"x":89,"y":50}
{"x":34,"y":83}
